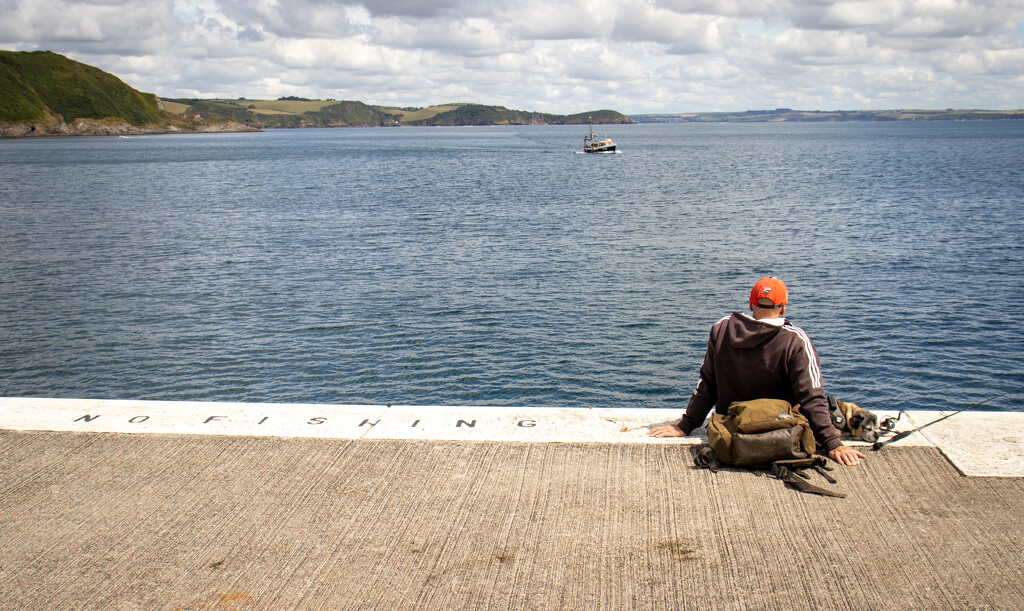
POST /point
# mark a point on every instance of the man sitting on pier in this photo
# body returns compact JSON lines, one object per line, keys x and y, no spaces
{"x":764,"y":357}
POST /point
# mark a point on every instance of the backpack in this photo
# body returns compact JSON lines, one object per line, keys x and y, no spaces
{"x":760,"y":432}
{"x":768,"y":434}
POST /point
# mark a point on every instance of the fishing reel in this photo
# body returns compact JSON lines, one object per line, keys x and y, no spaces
{"x":888,"y":423}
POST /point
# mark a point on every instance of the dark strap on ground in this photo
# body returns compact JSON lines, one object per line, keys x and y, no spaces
{"x":800,"y":483}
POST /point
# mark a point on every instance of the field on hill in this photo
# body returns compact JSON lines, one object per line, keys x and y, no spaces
{"x":299,"y":112}
{"x":240,"y":105}
{"x":298,"y":108}
{"x":419,"y":114}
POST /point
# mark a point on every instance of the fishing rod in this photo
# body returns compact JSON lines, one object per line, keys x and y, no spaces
{"x":878,"y":445}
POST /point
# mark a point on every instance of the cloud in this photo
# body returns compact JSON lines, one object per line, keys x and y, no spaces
{"x":911,"y":18}
{"x":653,"y":24}
{"x":548,"y":55}
{"x":566,"y":20}
{"x":469,"y":36}
{"x":413,"y":8}
{"x":114,"y":26}
{"x":293,"y":19}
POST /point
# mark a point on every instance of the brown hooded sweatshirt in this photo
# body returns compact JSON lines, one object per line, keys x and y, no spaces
{"x":749,"y":359}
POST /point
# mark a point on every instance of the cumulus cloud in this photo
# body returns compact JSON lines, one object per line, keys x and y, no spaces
{"x":114,"y":26}
{"x":564,"y":20}
{"x":548,"y":55}
{"x":295,"y":18}
{"x":417,"y":8}
{"x":470,"y":36}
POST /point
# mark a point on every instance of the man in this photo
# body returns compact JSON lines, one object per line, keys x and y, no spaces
{"x":764,"y":357}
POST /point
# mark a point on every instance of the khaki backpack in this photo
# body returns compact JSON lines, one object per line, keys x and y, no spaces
{"x":760,"y":432}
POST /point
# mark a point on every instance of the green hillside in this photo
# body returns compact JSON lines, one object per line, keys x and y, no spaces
{"x":43,"y":93}
{"x":597,"y":116}
{"x":478,"y":114}
{"x":32,"y":83}
{"x":286,"y":112}
{"x":297,"y":112}
{"x":352,"y":113}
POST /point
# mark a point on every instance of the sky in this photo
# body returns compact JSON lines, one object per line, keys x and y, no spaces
{"x":556,"y":56}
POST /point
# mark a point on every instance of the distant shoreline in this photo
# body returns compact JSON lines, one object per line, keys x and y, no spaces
{"x":780,"y":115}
{"x":119,"y":128}
{"x":47,"y":94}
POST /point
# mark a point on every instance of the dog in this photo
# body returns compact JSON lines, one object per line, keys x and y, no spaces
{"x":857,"y":421}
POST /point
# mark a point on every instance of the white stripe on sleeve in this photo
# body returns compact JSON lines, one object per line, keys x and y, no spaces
{"x":812,"y":356}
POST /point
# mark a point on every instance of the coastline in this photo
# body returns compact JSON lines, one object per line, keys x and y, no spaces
{"x":115,"y":127}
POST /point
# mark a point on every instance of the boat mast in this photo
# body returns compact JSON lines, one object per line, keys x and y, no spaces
{"x":589,"y":140}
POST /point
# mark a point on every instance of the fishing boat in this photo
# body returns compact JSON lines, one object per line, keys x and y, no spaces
{"x":592,"y":145}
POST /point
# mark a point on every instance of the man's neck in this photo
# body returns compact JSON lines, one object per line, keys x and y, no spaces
{"x":769,"y":316}
{"x":768,"y":313}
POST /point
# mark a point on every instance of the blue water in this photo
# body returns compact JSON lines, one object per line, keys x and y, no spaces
{"x":497,"y":266}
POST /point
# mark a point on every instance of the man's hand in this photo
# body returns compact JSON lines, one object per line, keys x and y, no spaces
{"x":669,"y":430}
{"x":846,"y":456}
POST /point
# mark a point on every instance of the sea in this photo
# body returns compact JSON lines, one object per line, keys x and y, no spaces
{"x":500,"y":266}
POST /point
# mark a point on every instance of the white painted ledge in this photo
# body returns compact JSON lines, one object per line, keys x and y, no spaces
{"x":979,"y":443}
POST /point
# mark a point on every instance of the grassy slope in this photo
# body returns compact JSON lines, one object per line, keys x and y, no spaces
{"x":18,"y":102}
{"x":296,"y":113}
{"x":175,"y":108}
{"x":410,"y":115}
{"x":477,"y":114}
{"x":598,"y":116}
{"x":33,"y":82}
{"x":284,"y":113}
{"x":288,"y":107}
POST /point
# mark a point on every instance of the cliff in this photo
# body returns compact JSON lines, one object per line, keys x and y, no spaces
{"x":43,"y":93}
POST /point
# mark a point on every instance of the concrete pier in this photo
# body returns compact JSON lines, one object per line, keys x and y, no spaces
{"x":167,"y":505}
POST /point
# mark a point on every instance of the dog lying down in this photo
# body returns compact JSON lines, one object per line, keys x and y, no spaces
{"x":853,"y":420}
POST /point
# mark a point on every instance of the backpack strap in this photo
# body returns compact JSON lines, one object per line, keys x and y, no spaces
{"x":704,"y":457}
{"x":817,"y":462}
{"x":823,"y":471}
{"x":789,"y":471}
{"x":799,"y":481}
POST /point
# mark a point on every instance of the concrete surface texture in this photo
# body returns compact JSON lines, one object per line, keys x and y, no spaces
{"x":115,"y":521}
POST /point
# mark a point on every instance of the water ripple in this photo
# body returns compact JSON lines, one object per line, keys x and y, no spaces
{"x":492,"y":266}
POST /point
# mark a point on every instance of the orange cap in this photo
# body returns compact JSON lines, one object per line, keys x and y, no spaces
{"x":769,"y":288}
